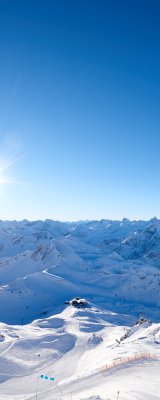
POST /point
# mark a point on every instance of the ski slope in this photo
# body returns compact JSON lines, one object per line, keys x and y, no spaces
{"x":73,"y":347}
{"x":96,"y":352}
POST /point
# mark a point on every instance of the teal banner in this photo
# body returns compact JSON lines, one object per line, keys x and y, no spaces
{"x":45,"y":377}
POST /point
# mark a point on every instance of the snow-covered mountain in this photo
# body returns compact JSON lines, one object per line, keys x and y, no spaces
{"x":115,"y":266}
{"x":113,"y":263}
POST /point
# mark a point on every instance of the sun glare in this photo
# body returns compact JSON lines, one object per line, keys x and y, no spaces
{"x":3,"y":180}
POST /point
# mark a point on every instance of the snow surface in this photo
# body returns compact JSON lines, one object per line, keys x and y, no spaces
{"x":114,"y":265}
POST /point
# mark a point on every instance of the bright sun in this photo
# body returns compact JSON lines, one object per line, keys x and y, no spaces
{"x":3,"y":181}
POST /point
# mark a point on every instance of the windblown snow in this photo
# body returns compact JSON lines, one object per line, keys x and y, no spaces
{"x":108,"y":349}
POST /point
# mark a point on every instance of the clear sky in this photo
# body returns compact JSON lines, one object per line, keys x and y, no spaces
{"x":79,"y":109}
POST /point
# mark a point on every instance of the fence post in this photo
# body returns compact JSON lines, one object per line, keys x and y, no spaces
{"x":37,"y":388}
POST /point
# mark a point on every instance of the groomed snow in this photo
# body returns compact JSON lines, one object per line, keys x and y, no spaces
{"x":95,"y":352}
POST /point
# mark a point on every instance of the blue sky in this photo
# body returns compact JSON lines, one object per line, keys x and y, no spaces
{"x":79,"y":109}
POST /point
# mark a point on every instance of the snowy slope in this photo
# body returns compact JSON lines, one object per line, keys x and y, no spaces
{"x":110,"y":262}
{"x":115,"y":266}
{"x":73,"y":347}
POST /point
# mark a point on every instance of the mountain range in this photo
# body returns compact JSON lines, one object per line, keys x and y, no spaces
{"x":115,"y":266}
